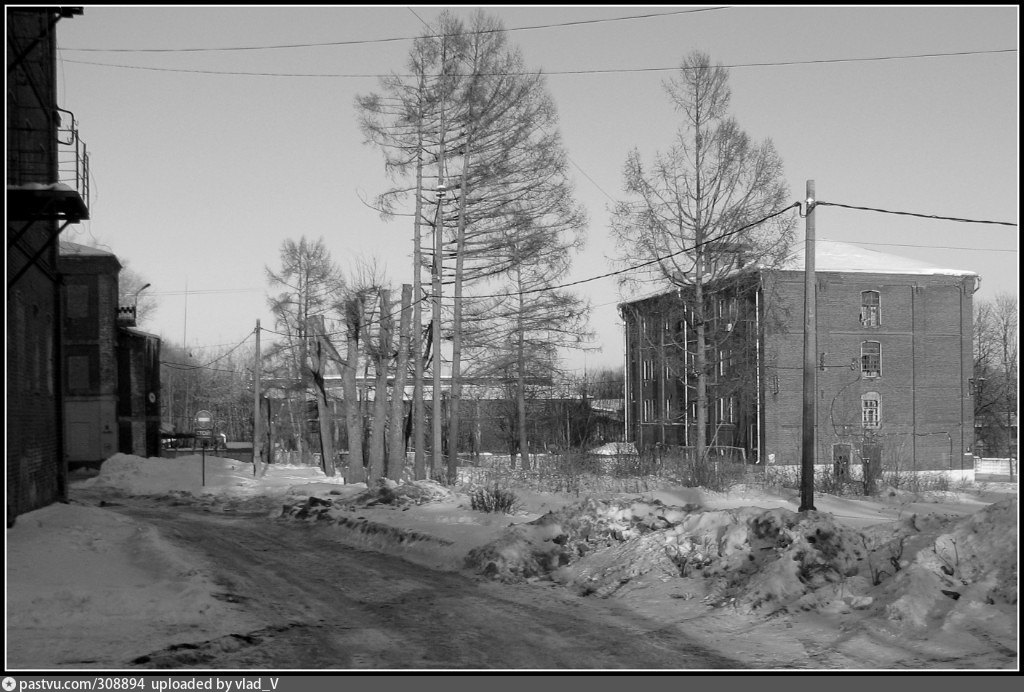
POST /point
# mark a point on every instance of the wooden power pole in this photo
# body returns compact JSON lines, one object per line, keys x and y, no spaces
{"x":810,"y":372}
{"x":257,"y":410}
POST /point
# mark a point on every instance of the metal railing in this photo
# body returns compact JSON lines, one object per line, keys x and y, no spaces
{"x":72,"y":157}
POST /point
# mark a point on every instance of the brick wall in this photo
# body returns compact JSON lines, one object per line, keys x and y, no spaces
{"x":921,"y":325}
{"x":924,"y":334}
{"x":35,"y":475}
{"x":35,"y":472}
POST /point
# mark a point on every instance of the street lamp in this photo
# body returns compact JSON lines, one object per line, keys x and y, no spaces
{"x":135,"y":304}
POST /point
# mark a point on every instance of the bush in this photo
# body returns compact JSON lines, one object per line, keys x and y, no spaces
{"x":494,"y":499}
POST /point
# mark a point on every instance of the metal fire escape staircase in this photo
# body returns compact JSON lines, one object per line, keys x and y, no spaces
{"x":47,"y":180}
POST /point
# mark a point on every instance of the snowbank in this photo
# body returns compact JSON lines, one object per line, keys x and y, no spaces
{"x":88,"y":587}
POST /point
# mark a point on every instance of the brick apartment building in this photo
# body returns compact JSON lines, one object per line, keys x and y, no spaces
{"x":112,"y":389}
{"x":47,"y":189}
{"x":894,"y":355}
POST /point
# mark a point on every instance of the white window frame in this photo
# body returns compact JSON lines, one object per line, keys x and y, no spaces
{"x":647,"y":413}
{"x":871,"y":410}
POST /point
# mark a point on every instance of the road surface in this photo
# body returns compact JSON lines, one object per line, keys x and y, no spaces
{"x":330,"y":606}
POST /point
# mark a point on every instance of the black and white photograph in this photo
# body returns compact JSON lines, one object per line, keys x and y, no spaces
{"x":509,"y":339}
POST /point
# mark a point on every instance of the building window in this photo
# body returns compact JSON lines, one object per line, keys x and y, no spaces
{"x":870,"y":309}
{"x":727,"y":410}
{"x":648,"y":370}
{"x":871,"y":410}
{"x":648,"y":411}
{"x":870,"y":358}
{"x":78,"y":374}
{"x":78,"y":301}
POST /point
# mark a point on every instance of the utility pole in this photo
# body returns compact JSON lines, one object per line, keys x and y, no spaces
{"x":810,"y":347}
{"x":257,"y":410}
{"x":437,"y":456}
{"x":418,"y":415}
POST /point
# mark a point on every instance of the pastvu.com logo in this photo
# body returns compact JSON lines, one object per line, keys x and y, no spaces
{"x":9,"y":684}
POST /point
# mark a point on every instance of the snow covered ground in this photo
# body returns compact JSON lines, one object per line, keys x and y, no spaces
{"x":895,"y":581}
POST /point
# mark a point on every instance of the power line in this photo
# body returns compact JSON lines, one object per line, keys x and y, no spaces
{"x":648,"y":263}
{"x":544,"y":289}
{"x":907,"y":213}
{"x":205,"y":292}
{"x":188,"y":366}
{"x":392,"y":39}
{"x":547,"y":73}
{"x":933,"y":247}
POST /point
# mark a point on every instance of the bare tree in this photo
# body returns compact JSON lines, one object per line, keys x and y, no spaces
{"x":309,"y":285}
{"x":407,"y":121}
{"x":518,"y":332}
{"x":688,"y":213}
{"x":995,"y":372}
{"x":478,"y":121}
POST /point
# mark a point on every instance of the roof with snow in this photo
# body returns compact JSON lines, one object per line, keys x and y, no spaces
{"x":830,"y":256}
{"x":834,"y":256}
{"x":67,"y":249}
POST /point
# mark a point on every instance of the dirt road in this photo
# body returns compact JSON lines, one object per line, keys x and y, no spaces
{"x":330,"y":606}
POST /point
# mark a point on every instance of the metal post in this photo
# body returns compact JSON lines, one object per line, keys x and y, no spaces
{"x":810,"y":347}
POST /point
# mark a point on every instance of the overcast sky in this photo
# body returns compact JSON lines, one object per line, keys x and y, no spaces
{"x":199,"y":172}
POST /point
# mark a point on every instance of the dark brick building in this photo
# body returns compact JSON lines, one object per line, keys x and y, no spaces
{"x":47,"y":189}
{"x":894,"y":355}
{"x":112,"y":392}
{"x":90,"y":356}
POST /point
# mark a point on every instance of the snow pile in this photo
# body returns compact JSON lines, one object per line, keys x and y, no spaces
{"x":772,"y":559}
{"x":215,"y":478}
{"x":966,"y":569}
{"x":616,"y":448}
{"x":389,"y":493}
{"x":402,"y":494}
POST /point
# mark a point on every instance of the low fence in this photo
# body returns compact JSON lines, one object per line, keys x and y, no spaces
{"x":239,"y":454}
{"x":995,"y":467}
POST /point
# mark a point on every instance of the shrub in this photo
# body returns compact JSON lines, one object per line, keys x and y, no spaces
{"x":494,"y":499}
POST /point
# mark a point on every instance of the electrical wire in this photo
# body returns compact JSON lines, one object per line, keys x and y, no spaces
{"x":373,"y":321}
{"x":649,"y":262}
{"x":546,"y":73}
{"x":188,"y":366}
{"x":907,"y":213}
{"x":930,"y":247}
{"x":397,"y":38}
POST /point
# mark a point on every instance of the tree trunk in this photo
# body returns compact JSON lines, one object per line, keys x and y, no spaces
{"x":353,"y":415}
{"x":326,"y":429}
{"x":702,"y":374}
{"x":323,"y":407}
{"x":396,"y":432}
{"x":456,"y":387}
{"x":524,"y":444}
{"x":380,"y":392}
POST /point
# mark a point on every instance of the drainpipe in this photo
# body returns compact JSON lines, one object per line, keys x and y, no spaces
{"x":757,"y":369}
{"x":913,"y":375}
{"x":625,"y":374}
